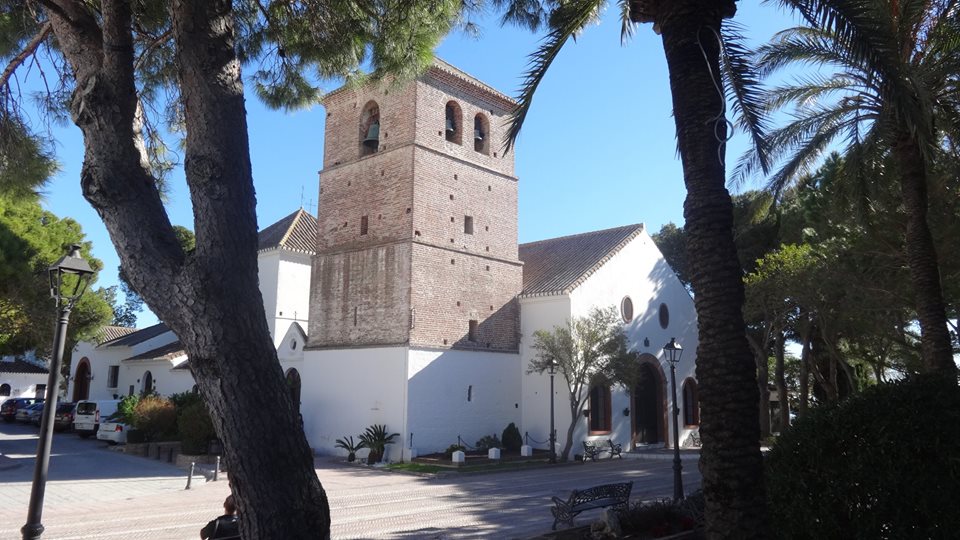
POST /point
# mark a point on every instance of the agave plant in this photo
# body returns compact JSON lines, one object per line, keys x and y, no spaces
{"x":351,"y":447}
{"x":376,"y":439}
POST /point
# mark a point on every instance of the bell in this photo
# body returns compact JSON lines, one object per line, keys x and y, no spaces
{"x":373,"y":135}
{"x":477,"y":135}
{"x":451,"y":127}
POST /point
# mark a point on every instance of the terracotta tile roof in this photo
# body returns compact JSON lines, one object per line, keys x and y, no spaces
{"x":21,"y":366}
{"x":296,"y":232}
{"x":164,"y":352}
{"x":110,"y":333}
{"x":558,"y":265}
{"x":138,"y":336}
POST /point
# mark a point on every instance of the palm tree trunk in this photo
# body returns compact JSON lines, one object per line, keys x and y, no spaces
{"x":922,"y":259}
{"x":730,"y":462}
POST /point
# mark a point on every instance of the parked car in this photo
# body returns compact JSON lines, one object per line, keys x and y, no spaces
{"x":10,"y":407}
{"x":26,"y":414}
{"x":86,"y":419}
{"x":63,"y":418}
{"x":113,"y":430}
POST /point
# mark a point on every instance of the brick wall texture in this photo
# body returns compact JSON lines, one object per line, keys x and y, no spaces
{"x":417,"y":276}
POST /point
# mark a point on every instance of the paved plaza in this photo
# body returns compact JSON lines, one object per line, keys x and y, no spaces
{"x":94,"y":492}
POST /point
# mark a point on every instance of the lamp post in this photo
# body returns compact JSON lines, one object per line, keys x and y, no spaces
{"x":673,"y":351}
{"x":552,"y":369}
{"x":69,"y":277}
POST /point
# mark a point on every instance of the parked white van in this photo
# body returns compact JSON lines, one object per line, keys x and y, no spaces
{"x":86,"y":420}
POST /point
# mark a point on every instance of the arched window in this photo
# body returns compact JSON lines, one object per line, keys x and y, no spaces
{"x":370,"y":129}
{"x":147,"y":383}
{"x":4,"y":389}
{"x":691,"y":403}
{"x":481,"y":134}
{"x":600,"y":409}
{"x":453,"y":125}
{"x":293,"y":381}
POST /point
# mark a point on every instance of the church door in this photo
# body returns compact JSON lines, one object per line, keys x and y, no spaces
{"x":81,"y":381}
{"x":647,"y":407}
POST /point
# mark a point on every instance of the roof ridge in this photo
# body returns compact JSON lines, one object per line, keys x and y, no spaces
{"x":634,"y":226}
{"x":293,"y":225}
{"x":603,"y":260}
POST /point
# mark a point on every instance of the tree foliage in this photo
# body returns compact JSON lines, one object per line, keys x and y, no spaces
{"x":580,"y":352}
{"x":31,"y":239}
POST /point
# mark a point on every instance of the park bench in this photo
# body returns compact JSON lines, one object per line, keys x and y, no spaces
{"x":695,"y":438}
{"x":608,"y":495}
{"x":594,"y":449}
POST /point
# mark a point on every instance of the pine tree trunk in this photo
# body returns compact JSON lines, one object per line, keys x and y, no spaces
{"x":209,"y":298}
{"x":922,"y":259}
{"x":763,"y":378}
{"x":730,"y":460}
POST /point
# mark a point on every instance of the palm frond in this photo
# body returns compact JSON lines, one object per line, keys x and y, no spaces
{"x":627,"y":26}
{"x":565,"y":21}
{"x":529,"y":14}
{"x":742,"y":82}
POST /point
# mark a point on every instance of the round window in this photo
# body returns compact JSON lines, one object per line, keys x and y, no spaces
{"x":626,"y":309}
{"x":664,"y":316}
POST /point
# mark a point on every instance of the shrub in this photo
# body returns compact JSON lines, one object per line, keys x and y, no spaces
{"x":655,"y":519}
{"x":156,"y":417}
{"x":195,"y":427}
{"x":878,"y":465}
{"x":376,"y":439}
{"x":512,"y":440}
{"x":127,"y":409}
{"x":487,"y":442}
{"x":351,"y":447}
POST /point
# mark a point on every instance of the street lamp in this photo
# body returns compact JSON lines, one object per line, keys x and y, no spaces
{"x":69,"y":278}
{"x":673,"y":351}
{"x":552,"y":369}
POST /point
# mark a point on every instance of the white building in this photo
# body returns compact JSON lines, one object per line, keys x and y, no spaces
{"x":409,"y":302}
{"x":22,"y":377}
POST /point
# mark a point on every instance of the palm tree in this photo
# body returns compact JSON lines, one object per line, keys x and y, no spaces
{"x":893,"y":95}
{"x":730,"y":460}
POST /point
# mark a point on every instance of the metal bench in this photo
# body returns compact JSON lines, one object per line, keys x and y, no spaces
{"x":608,"y":495}
{"x":594,"y":449}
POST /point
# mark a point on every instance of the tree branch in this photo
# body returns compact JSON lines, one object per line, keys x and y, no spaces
{"x":27,"y":51}
{"x":160,"y":40}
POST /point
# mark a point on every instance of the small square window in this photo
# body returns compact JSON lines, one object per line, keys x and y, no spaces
{"x":468,"y":224}
{"x":472,"y":333}
{"x":364,"y":223}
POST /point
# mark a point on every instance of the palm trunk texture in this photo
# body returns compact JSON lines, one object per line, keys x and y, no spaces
{"x":922,"y":259}
{"x":730,"y":462}
{"x":209,"y":297}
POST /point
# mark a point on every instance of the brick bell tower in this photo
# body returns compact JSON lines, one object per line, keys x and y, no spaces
{"x":417,"y":241}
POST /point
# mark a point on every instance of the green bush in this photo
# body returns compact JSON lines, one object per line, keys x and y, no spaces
{"x":882,"y":464}
{"x":654,"y":519}
{"x":156,"y":417}
{"x":127,"y":409}
{"x":376,"y":439}
{"x":195,"y":427}
{"x":487,"y":442}
{"x":512,"y":440}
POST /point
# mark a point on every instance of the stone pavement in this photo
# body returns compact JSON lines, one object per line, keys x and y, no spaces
{"x":365,"y":503}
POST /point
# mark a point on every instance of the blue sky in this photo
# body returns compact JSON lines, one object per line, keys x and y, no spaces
{"x":597,"y":149}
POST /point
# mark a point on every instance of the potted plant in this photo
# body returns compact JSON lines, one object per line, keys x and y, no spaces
{"x":376,"y":439}
{"x":351,"y":447}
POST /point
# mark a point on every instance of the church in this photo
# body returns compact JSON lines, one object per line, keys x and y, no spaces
{"x":408,"y":301}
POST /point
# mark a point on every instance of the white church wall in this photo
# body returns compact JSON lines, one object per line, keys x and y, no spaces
{"x":459,"y":392}
{"x":541,"y":313}
{"x":347,"y":390}
{"x":268,"y":272}
{"x":100,"y":360}
{"x":166,"y":380}
{"x":640,"y":272}
{"x":291,"y":294}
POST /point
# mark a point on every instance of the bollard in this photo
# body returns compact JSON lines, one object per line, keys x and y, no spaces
{"x":189,"y":478}
{"x":216,"y":470}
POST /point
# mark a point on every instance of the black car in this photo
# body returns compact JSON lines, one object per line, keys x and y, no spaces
{"x":63,"y":418}
{"x":10,"y":407}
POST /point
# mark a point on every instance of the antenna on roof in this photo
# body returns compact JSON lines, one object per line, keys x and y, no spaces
{"x":301,"y":196}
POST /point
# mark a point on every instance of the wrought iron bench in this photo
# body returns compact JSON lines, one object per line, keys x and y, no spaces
{"x":594,"y":449}
{"x":608,"y":495}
